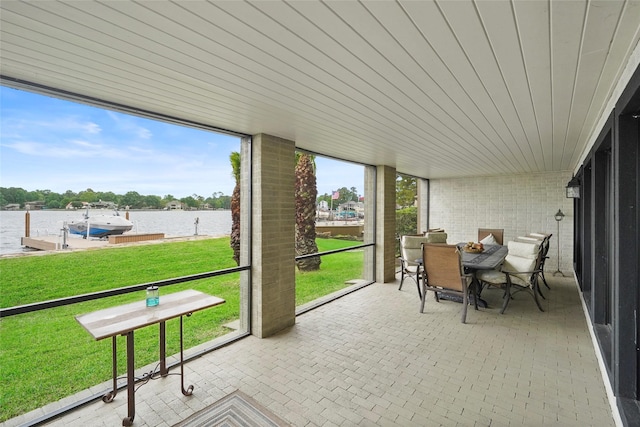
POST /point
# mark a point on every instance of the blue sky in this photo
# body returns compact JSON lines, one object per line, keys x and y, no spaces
{"x":50,"y":144}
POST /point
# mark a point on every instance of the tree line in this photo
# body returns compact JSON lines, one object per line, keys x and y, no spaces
{"x":218,"y":200}
{"x":405,"y":196}
{"x":132,"y":199}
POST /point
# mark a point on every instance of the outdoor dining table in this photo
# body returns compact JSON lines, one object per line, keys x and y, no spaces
{"x":125,"y":319}
{"x":490,"y":258}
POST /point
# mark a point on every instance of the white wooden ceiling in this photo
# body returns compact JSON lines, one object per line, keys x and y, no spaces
{"x":435,"y":89}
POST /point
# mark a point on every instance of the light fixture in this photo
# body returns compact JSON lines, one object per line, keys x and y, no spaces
{"x":558,"y":217}
{"x":573,"y":188}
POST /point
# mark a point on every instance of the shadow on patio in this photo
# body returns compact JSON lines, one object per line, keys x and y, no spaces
{"x":370,"y":358}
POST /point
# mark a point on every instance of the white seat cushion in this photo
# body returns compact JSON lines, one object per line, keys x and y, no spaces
{"x":523,"y":249}
{"x":521,"y":258}
{"x":539,"y":235}
{"x":528,"y":239}
{"x":495,"y":277}
{"x":411,"y":248}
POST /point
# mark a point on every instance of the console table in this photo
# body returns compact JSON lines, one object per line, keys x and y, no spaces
{"x":125,"y":319}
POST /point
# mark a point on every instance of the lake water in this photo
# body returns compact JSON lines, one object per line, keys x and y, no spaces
{"x":171,"y":223}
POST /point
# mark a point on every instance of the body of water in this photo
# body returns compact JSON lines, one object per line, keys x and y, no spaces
{"x":171,"y":223}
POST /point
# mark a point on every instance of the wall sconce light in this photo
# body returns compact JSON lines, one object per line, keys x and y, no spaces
{"x":558,"y":217}
{"x":573,"y":188}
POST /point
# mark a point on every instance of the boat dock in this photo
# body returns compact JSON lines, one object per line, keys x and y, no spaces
{"x":55,"y":243}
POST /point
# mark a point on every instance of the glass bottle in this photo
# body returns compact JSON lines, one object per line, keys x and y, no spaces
{"x":153,"y":296}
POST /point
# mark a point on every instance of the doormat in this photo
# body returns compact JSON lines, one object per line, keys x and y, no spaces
{"x":234,"y":410}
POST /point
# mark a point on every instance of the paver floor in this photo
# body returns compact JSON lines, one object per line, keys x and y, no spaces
{"x":371,"y":359}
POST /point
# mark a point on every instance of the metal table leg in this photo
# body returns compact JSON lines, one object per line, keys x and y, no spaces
{"x":112,"y":394}
{"x":189,"y":390}
{"x":131,"y":391}
{"x":163,"y":350}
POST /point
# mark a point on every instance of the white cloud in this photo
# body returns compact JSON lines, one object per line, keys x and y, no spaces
{"x":85,"y":144}
{"x":144,"y":133}
{"x":30,"y":148}
{"x":92,"y":128}
{"x":129,"y":125}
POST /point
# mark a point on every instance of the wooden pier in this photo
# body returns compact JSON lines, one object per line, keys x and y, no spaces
{"x":54,"y":243}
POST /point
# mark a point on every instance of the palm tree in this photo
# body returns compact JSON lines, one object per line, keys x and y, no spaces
{"x":234,"y":157}
{"x":306,"y":193}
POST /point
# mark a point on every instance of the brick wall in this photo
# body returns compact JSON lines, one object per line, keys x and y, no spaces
{"x":519,"y":204}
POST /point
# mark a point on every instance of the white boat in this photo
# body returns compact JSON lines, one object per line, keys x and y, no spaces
{"x":100,"y":225}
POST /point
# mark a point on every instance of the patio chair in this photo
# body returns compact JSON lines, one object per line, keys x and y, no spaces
{"x":443,"y":273}
{"x":546,"y":237}
{"x":534,"y":240}
{"x":410,"y":253}
{"x":543,"y":240}
{"x":486,"y":233}
{"x":520,"y":272}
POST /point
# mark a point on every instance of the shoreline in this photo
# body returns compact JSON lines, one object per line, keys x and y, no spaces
{"x":104,"y":244}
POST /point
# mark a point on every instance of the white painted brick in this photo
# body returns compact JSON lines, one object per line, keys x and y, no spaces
{"x":520,"y":204}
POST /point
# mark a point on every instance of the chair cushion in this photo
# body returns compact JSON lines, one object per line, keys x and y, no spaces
{"x":437,"y":237}
{"x":540,"y":236}
{"x":411,"y":248}
{"x":496,"y":277}
{"x":521,"y":257}
{"x":489,"y":240}
{"x":528,"y":239}
{"x":523,"y":249}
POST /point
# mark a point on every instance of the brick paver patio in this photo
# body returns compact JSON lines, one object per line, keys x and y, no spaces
{"x":371,"y":359}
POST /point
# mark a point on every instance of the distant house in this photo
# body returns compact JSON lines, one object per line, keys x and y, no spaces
{"x":175,"y":205}
{"x":351,"y":209}
{"x":12,"y":207}
{"x":103,"y":205}
{"x":74,"y":205}
{"x":34,"y":206}
{"x":351,"y":206}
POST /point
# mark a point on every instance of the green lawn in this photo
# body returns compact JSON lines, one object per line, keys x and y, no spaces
{"x":46,"y":355}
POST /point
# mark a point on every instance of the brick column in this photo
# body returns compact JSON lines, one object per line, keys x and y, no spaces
{"x":273,"y":224}
{"x":369,"y":222}
{"x":423,"y":204}
{"x":385,"y":224}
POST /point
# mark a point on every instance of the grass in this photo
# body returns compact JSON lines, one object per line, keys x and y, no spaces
{"x":334,"y":271}
{"x":46,"y":355}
